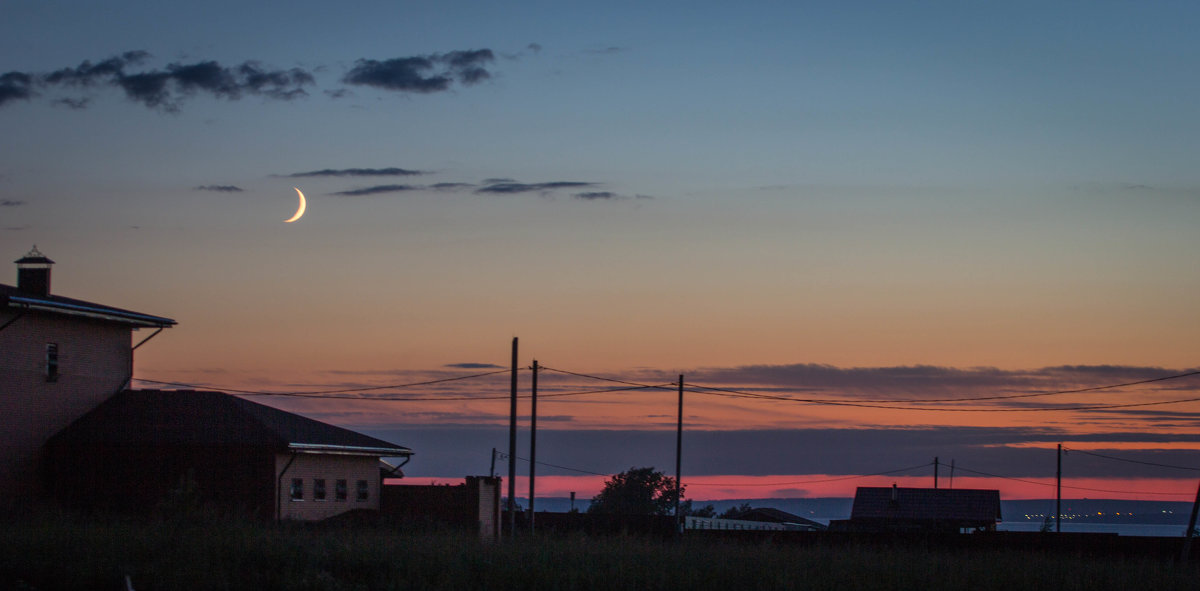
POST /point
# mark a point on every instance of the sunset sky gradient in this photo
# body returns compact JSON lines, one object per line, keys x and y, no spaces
{"x":863,"y":202}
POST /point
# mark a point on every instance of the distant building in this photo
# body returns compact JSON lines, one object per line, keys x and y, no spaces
{"x":881,"y":509}
{"x":137,"y":447}
{"x":773,"y":515}
{"x":59,"y":358}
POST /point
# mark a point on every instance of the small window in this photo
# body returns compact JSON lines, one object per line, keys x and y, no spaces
{"x":340,"y":489}
{"x":364,"y":490}
{"x":297,"y":489}
{"x":319,"y":489}
{"x":51,"y":362}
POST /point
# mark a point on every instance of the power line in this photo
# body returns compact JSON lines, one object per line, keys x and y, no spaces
{"x":838,"y":479}
{"x":321,"y":392}
{"x":728,"y":393}
{"x":1132,"y":461}
{"x":1123,"y":492}
{"x":504,"y":455}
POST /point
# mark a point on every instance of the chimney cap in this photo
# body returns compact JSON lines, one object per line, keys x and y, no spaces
{"x":34,"y":257}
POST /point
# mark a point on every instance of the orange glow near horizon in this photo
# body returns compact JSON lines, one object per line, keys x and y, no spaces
{"x":715,"y":488}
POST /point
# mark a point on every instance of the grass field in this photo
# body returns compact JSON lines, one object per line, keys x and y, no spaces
{"x":58,"y":551}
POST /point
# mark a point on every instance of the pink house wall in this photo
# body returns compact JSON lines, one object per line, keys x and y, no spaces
{"x":94,"y":361}
{"x":309,"y":467}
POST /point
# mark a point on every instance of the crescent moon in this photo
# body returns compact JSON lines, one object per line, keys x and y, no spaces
{"x":303,"y":206}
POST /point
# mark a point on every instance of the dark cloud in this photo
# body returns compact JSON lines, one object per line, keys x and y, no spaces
{"x":15,"y":86}
{"x":594,"y":195}
{"x":905,"y":381}
{"x":393,"y":171}
{"x":377,"y":189}
{"x":11,"y":203}
{"x":161,"y":89}
{"x":474,"y":365}
{"x":220,"y":188}
{"x":512,"y":187}
{"x":454,"y":449}
{"x":534,"y":47}
{"x":450,"y":186}
{"x":422,"y":74}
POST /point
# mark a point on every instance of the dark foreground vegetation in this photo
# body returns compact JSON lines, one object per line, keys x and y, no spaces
{"x":54,"y":550}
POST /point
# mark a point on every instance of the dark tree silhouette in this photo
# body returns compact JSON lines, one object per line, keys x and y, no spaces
{"x":636,"y":491}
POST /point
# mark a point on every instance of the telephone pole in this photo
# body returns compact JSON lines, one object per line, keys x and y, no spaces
{"x":678,"y":457}
{"x":532,"y":443}
{"x":512,"y":447}
{"x":1058,"y":493}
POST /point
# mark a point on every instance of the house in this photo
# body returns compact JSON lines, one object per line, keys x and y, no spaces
{"x":59,"y":358}
{"x":137,"y":447}
{"x":930,"y":510}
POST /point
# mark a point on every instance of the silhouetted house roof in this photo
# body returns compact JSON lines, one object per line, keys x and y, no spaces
{"x":136,"y":448}
{"x":15,"y":298}
{"x":894,"y":508}
{"x":773,"y":515}
{"x":186,"y":417}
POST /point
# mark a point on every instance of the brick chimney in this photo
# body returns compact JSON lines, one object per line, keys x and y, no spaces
{"x":33,"y":273}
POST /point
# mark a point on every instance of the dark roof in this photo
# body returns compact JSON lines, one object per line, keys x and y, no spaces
{"x":186,"y":417}
{"x":13,"y":298}
{"x":926,"y":504}
{"x":773,"y":515}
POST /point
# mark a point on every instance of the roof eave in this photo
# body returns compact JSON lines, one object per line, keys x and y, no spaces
{"x":132,"y":318}
{"x":350,"y":450}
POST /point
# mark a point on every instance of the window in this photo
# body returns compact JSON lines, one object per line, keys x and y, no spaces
{"x":297,"y":489}
{"x":339,"y":490}
{"x":51,"y":362}
{"x":319,"y":489}
{"x":364,"y":491}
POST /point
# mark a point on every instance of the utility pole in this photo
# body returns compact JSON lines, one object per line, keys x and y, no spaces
{"x":951,"y":472}
{"x":493,"y":462}
{"x":1058,"y":493}
{"x":532,"y":444}
{"x":935,"y":471}
{"x":512,"y":447}
{"x":1187,"y":536}
{"x":678,"y":458}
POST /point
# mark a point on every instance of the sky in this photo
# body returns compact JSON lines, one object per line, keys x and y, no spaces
{"x":870,"y":203}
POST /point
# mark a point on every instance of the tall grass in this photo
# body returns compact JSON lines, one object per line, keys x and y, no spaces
{"x":53,"y":550}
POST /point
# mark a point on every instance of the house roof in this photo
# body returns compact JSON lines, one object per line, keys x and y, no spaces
{"x":926,"y":504}
{"x":187,"y":417}
{"x":773,"y":515}
{"x":13,"y":298}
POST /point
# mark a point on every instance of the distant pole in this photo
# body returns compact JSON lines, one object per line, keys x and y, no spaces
{"x":512,"y":447}
{"x":572,"y":500}
{"x":532,"y":443}
{"x":1058,"y":493}
{"x":951,"y":472}
{"x":1187,"y":536}
{"x":493,"y":462}
{"x":935,"y":471}
{"x":678,"y":457}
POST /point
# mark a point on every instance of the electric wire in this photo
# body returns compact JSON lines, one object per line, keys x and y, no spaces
{"x":501,"y":454}
{"x":342,"y":391}
{"x":1123,"y":492}
{"x":1144,"y":463}
{"x":836,"y":479}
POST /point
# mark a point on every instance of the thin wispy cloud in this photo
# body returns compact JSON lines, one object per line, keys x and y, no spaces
{"x":378,"y":189}
{"x":470,"y":365}
{"x":514,"y":187}
{"x":606,"y":196}
{"x":11,"y":203}
{"x":220,"y":188}
{"x":355,"y":172}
